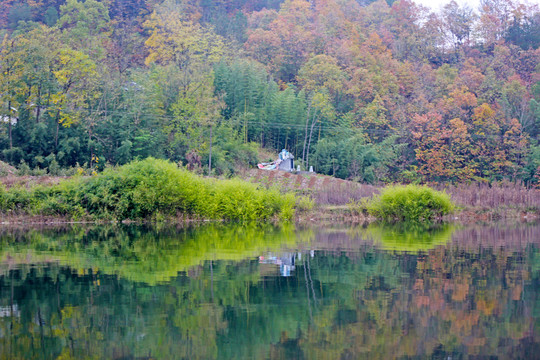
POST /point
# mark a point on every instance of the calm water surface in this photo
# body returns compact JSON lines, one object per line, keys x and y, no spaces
{"x":260,"y":292}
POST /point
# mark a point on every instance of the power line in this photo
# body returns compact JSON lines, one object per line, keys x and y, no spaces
{"x":299,"y":126}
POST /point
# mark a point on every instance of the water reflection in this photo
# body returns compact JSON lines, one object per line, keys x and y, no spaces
{"x":277,"y":293}
{"x":411,"y":237}
{"x":141,"y":253}
{"x":284,"y":260}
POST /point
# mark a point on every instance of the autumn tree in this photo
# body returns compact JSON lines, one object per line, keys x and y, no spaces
{"x":323,"y":72}
{"x":495,"y":18}
{"x":85,"y":26}
{"x":188,"y":51}
{"x":443,"y":151}
{"x":459,"y":21}
{"x":285,"y":40}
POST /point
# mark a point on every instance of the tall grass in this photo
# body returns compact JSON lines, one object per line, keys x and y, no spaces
{"x":150,"y":188}
{"x":343,"y":193}
{"x":410,"y":203}
{"x":494,"y":196}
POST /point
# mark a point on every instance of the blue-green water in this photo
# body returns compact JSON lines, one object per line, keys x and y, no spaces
{"x":260,"y":292}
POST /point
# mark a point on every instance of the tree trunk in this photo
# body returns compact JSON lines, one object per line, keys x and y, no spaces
{"x":309,"y":142}
{"x":57,"y":129}
{"x":306,"y":135}
{"x":38,"y":105}
{"x":9,"y":125}
{"x":210,"y":155}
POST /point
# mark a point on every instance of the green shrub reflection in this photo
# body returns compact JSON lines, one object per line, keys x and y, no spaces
{"x":410,"y":237}
{"x":147,"y":255}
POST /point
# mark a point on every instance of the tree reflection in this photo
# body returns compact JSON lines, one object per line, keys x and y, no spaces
{"x":146,"y":254}
{"x":213,"y":298}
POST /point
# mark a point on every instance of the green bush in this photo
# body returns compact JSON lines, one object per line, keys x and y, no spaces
{"x":143,"y":188}
{"x":304,"y":203}
{"x":16,"y":199}
{"x":410,"y":203}
{"x":147,"y":189}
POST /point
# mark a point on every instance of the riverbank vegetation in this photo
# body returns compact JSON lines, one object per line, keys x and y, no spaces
{"x":337,"y":200}
{"x":149,"y":189}
{"x":371,"y":91}
{"x":31,"y":199}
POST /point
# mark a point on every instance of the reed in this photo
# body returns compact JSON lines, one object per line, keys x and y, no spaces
{"x":465,"y":196}
{"x":494,"y":196}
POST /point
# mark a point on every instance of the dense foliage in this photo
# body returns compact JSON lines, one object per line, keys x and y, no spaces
{"x":150,"y":189}
{"x":410,"y":203}
{"x":376,"y":91}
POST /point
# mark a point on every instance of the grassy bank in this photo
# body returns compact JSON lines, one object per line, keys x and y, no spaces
{"x":473,"y":203}
{"x":339,"y":200}
{"x":154,"y":189}
{"x":148,"y":189}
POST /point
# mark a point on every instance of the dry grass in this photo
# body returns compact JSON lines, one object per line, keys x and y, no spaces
{"x":30,"y":181}
{"x":343,"y":193}
{"x":475,"y":202}
{"x":265,"y":155}
{"x":492,"y":197}
{"x":326,"y":191}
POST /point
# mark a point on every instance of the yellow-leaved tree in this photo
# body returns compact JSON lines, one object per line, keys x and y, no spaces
{"x":77,"y":78}
{"x":187,"y":53}
{"x":181,"y":42}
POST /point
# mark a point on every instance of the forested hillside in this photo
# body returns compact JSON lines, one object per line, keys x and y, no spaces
{"x":375,"y":91}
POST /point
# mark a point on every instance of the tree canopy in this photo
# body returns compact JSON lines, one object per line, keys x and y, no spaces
{"x":367,"y":90}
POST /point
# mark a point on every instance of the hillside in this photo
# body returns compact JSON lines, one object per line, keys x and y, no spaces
{"x":370,"y":91}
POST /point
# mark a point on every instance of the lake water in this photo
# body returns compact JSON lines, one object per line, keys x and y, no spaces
{"x":261,"y":292}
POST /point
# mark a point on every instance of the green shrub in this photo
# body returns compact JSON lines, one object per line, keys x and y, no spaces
{"x":304,"y":203}
{"x":410,"y":203}
{"x":54,"y":168}
{"x":18,"y":199}
{"x":3,"y":198}
{"x":6,"y":169}
{"x":23,"y":169}
{"x":149,"y":189}
{"x":137,"y":190}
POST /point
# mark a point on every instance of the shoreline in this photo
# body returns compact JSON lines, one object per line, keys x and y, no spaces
{"x":342,"y":214}
{"x":345,"y":214}
{"x":332,"y":200}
